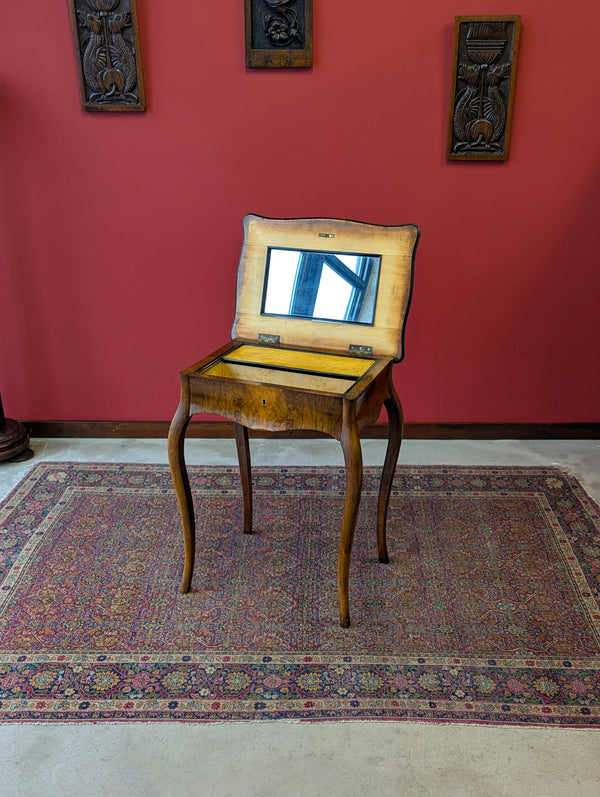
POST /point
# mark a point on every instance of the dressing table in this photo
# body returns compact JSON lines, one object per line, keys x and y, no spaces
{"x":319,"y":322}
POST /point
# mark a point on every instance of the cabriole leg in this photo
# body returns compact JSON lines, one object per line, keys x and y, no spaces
{"x":181,"y":482}
{"x":354,"y":471}
{"x":395,"y":422}
{"x":243,"y":450}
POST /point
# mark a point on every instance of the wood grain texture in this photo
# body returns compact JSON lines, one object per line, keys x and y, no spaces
{"x":251,"y":373}
{"x":266,"y":406}
{"x":396,"y":245}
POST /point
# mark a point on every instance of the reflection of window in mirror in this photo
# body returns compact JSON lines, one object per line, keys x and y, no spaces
{"x":330,"y":286}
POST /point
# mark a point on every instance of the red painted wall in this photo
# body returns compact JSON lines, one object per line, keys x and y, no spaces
{"x":119,"y":233}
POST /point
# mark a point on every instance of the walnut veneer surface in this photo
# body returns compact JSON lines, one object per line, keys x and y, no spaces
{"x":308,"y":380}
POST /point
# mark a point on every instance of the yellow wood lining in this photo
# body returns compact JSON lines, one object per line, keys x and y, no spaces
{"x":300,"y":360}
{"x":271,"y":376}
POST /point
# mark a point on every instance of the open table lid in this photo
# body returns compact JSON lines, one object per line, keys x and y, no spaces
{"x":392,"y":248}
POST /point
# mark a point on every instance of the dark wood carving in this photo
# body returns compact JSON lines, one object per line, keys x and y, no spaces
{"x":482,"y":90}
{"x":107,"y":46}
{"x":278,"y":33}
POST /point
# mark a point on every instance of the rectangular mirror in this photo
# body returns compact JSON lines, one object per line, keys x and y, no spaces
{"x":321,"y":286}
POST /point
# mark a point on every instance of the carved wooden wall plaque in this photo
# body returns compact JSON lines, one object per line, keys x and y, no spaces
{"x":107,"y":47}
{"x":482,"y":89}
{"x":278,"y":33}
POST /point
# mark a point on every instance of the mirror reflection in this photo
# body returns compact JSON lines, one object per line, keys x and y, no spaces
{"x":325,"y":286}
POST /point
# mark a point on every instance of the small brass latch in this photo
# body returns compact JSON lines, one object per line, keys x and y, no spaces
{"x":356,"y":349}
{"x":262,"y":338}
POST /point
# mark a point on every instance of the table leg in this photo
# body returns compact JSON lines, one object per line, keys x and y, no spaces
{"x":243,"y":450}
{"x":395,"y":423}
{"x":181,"y":482}
{"x":354,"y":471}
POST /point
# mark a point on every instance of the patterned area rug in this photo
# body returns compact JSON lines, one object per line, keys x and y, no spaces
{"x":487,"y":613}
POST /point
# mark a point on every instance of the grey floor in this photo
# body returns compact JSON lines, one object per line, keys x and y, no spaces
{"x":286,"y":758}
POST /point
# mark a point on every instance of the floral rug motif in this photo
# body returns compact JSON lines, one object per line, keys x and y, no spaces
{"x":488,"y":611}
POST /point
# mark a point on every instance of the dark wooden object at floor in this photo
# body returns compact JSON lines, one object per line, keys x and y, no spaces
{"x":14,"y":439}
{"x":283,"y":373}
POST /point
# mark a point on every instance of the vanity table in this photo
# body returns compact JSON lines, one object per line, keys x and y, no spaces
{"x":319,"y":322}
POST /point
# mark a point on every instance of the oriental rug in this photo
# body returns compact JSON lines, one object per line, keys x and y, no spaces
{"x":487,"y":613}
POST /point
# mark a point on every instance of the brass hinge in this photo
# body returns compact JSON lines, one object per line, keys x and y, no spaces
{"x":356,"y":349}
{"x":262,"y":338}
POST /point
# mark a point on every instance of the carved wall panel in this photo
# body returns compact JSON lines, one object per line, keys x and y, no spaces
{"x":482,"y":90}
{"x":278,"y":33}
{"x":107,"y":46}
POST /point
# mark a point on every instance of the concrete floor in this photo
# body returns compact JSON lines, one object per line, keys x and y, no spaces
{"x":286,"y":758}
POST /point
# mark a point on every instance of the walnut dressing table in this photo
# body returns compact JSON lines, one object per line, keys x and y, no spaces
{"x":319,"y":322}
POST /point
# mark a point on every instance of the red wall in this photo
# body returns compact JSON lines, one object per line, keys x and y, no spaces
{"x":119,"y":233}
